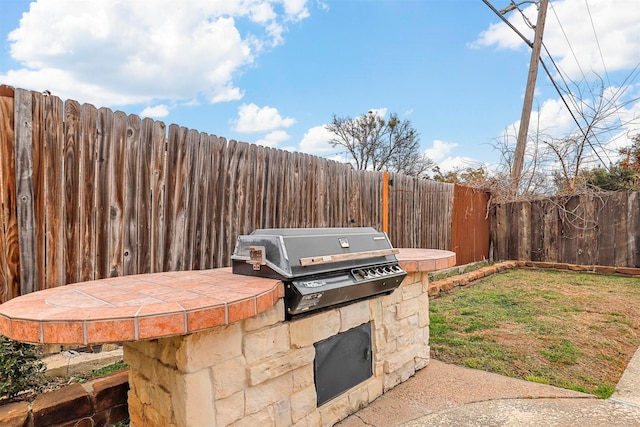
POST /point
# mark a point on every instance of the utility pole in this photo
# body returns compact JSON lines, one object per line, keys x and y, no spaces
{"x":521,"y":142}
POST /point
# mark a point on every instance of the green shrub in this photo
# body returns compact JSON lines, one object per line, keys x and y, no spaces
{"x":20,"y":367}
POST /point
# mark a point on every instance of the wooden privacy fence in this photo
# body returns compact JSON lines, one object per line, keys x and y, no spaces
{"x":589,"y":229}
{"x":89,"y":193}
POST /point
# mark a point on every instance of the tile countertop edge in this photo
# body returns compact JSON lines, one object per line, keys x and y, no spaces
{"x":28,"y":326}
{"x":415,"y":260}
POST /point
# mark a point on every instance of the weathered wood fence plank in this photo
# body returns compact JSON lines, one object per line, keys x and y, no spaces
{"x":104,"y":129}
{"x":144,"y":202}
{"x":54,"y":192}
{"x":158,"y":195}
{"x":71,"y":190}
{"x":9,"y":250}
{"x":24,"y":192}
{"x":87,"y":196}
{"x":117,"y":181}
{"x":132,"y":189}
{"x":39,"y":187}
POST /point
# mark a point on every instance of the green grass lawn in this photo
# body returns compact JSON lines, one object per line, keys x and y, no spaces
{"x":571,"y":330}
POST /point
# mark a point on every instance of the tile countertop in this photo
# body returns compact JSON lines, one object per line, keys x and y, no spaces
{"x":149,"y":306}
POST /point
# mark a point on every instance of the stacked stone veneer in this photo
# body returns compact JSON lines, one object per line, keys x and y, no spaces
{"x":259,"y":371}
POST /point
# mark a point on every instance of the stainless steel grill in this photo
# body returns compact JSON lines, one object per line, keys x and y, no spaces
{"x":320,"y":267}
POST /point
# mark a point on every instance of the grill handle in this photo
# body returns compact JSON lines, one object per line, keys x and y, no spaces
{"x":327,"y":259}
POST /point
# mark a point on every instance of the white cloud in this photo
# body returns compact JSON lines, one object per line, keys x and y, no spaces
{"x":156,"y":111}
{"x":316,"y":141}
{"x":252,"y":118}
{"x":136,"y":53}
{"x":273,"y":139}
{"x":227,"y":93}
{"x":553,"y":119}
{"x":457,"y":162}
{"x":569,"y":35}
{"x":296,"y":9}
{"x":440,"y":150}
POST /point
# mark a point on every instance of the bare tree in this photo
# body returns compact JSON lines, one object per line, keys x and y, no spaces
{"x":556,"y":166}
{"x":378,"y":144}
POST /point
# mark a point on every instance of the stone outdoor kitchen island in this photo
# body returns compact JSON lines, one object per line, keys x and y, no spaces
{"x":210,"y":348}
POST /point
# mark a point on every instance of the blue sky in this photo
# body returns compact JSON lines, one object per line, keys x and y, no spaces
{"x":274,"y":72}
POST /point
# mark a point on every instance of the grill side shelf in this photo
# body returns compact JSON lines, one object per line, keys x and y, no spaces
{"x":327,"y":259}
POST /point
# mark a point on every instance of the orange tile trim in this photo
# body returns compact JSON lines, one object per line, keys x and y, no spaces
{"x":425,"y":260}
{"x":138,"y":307}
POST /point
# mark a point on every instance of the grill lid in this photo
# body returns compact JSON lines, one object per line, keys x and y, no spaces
{"x":287,"y":253}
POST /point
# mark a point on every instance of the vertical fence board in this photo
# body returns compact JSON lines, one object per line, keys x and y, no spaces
{"x":144,"y":198}
{"x":39,"y":186}
{"x":24,"y":191}
{"x":9,"y":251}
{"x":551,"y":231}
{"x":605,"y":243}
{"x":290,"y":168}
{"x":524,"y":231}
{"x":283,"y":169}
{"x":176,"y":204}
{"x":269,"y":188}
{"x":88,"y":189}
{"x":501,"y":244}
{"x":215,"y":199}
{"x":587,"y":235}
{"x":71,"y":192}
{"x":221,"y":201}
{"x":54,"y":192}
{"x":131,"y":188}
{"x":620,"y":229}
{"x":260,"y":189}
{"x":117,"y":177}
{"x":230,"y":196}
{"x":247,"y":182}
{"x":158,"y":196}
{"x":103,"y":212}
{"x":537,"y":232}
{"x":568,"y":230}
{"x":494,"y":242}
{"x":237,"y":195}
{"x":513,"y":243}
{"x":202,"y":248}
{"x":190,"y":200}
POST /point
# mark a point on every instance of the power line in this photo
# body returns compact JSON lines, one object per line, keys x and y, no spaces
{"x":604,"y":66}
{"x":573,"y":53}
